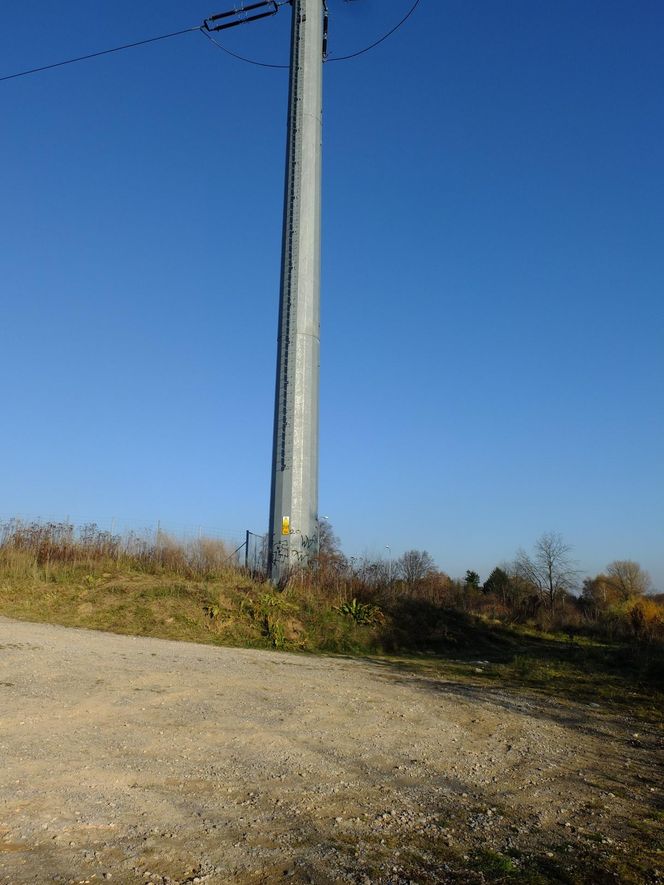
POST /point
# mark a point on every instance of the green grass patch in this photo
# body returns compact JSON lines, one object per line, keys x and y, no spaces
{"x":496,"y":865}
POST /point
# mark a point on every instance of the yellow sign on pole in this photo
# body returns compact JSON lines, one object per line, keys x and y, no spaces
{"x":285,"y":525}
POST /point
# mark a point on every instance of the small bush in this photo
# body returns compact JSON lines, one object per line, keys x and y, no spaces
{"x":364,"y":613}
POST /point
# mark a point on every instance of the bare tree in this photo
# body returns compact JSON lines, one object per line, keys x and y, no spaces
{"x":329,"y":545}
{"x":628,"y":578}
{"x":414,"y":566}
{"x":330,"y":564}
{"x":550,"y":570}
{"x":372,"y":573}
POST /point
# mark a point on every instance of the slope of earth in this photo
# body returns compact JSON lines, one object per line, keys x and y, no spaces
{"x":142,"y":760}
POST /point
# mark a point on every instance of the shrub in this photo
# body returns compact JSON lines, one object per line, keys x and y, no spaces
{"x":363,"y":613}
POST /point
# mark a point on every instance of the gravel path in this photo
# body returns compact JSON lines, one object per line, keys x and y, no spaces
{"x":142,"y":760}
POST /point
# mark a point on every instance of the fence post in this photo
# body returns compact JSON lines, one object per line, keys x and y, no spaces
{"x":246,"y":549}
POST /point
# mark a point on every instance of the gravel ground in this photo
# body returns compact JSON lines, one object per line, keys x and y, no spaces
{"x":141,"y":760}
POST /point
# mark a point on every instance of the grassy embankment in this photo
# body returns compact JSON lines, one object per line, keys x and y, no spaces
{"x":201,"y":598}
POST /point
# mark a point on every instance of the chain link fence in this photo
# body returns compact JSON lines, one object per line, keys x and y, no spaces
{"x":255,"y":555}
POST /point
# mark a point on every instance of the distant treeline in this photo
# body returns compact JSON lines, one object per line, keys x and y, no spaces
{"x":543,"y":588}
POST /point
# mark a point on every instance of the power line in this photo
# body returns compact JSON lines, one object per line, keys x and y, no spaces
{"x":371,"y":46}
{"x":262,"y":64}
{"x":204,"y":31}
{"x":380,"y":40}
{"x":250,"y":61}
{"x":71,"y":61}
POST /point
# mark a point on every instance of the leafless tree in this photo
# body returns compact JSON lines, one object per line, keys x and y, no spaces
{"x":550,"y":570}
{"x":329,"y":545}
{"x":628,"y":578}
{"x":414,"y":566}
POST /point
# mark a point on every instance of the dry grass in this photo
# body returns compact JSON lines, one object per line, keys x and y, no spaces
{"x":52,"y":545}
{"x":157,"y":586}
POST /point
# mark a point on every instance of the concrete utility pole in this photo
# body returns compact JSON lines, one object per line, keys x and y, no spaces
{"x":293,"y":529}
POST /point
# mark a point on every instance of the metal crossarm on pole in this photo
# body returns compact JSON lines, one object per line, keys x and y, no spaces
{"x":240,"y":16}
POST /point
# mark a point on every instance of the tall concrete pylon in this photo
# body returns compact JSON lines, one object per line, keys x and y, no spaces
{"x":293,"y":528}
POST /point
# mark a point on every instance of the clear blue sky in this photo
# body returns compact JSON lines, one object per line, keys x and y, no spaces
{"x":492,"y":331}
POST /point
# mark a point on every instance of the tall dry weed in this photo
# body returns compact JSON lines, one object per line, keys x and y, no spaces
{"x":25,"y":546}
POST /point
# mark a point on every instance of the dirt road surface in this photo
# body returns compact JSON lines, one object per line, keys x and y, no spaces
{"x":141,"y":760}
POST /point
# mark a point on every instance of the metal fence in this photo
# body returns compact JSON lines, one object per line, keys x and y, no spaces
{"x":255,"y":554}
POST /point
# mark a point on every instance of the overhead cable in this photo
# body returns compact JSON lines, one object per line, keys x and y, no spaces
{"x":262,"y":64}
{"x":380,"y":40}
{"x":71,"y":61}
{"x":250,"y":61}
{"x":205,"y":30}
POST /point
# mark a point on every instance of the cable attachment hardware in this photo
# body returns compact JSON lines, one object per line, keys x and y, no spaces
{"x":240,"y":16}
{"x":326,"y":23}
